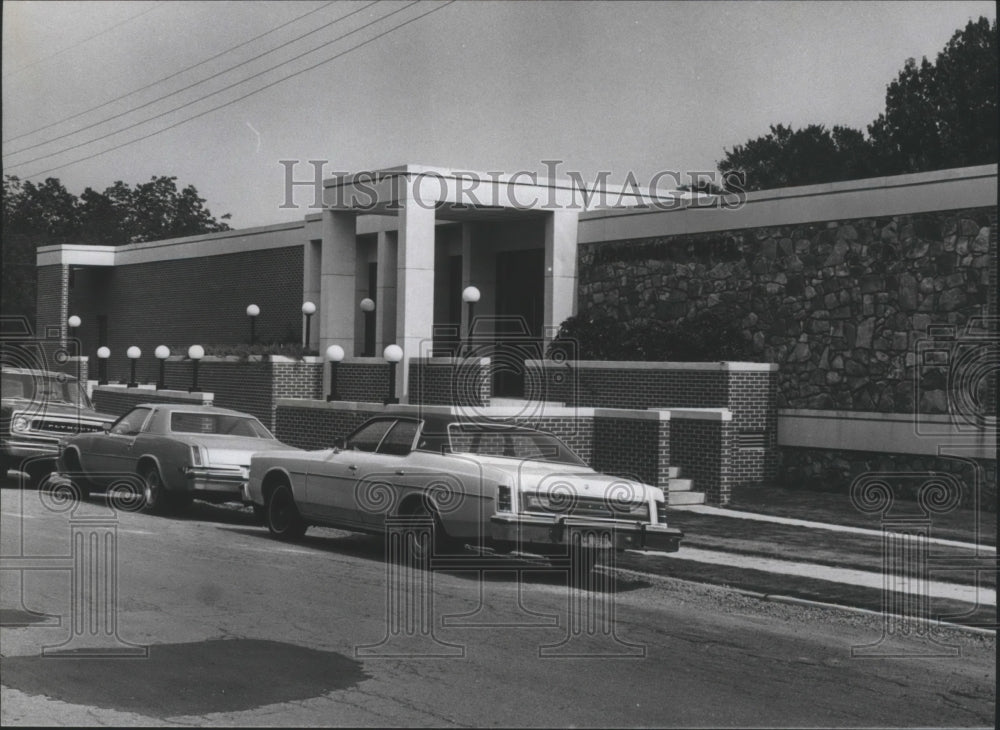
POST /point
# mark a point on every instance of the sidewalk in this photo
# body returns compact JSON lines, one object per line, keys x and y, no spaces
{"x":849,"y":562}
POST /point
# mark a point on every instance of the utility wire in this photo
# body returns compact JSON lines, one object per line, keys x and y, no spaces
{"x":85,"y":40}
{"x":247,"y":95}
{"x":165,"y":78}
{"x":189,"y":86}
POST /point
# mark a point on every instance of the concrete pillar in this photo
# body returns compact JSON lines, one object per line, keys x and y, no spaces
{"x":560,"y":269}
{"x":385,"y":304}
{"x":415,"y":286}
{"x":337,"y":306}
{"x":312,"y":257}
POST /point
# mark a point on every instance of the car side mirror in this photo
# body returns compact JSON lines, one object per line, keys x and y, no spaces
{"x":340,"y":443}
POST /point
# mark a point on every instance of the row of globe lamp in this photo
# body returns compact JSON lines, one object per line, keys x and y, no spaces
{"x":162,"y":352}
{"x":392,"y":354}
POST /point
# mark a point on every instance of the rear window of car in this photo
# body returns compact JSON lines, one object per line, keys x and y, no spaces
{"x":217,"y":423}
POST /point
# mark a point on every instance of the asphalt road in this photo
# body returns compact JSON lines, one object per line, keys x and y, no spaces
{"x":233,"y":628}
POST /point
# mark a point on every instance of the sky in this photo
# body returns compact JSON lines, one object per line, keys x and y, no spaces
{"x":628,"y":88}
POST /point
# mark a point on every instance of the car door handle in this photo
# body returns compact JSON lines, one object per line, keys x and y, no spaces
{"x":400,"y":472}
{"x":353,"y":467}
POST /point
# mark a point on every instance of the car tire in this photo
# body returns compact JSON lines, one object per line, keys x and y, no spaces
{"x":37,"y":472}
{"x":441,"y":543}
{"x":282,"y":516}
{"x":155,"y":498}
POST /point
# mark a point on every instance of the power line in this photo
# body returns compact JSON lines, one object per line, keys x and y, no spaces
{"x":245,"y":96}
{"x":165,"y":78}
{"x":85,"y":40}
{"x":201,"y":98}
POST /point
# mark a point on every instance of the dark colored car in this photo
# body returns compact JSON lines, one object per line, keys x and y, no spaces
{"x":40,"y":408}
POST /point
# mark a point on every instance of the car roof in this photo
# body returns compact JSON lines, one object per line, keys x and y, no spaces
{"x":36,"y":371}
{"x":193,"y":408}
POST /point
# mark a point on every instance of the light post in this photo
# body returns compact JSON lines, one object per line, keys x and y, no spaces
{"x":334,"y":353}
{"x":74,"y":322}
{"x":196,"y":353}
{"x":252,"y":311}
{"x":470,"y":295}
{"x":162,"y":353}
{"x":133,"y":353}
{"x":308,"y":309}
{"x":368,"y":307}
{"x":103,"y":354}
{"x":392,"y":354}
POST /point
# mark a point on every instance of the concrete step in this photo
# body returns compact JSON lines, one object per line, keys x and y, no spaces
{"x":685,"y":498}
{"x":680,"y":485}
{"x":523,"y":402}
{"x":673,"y":472}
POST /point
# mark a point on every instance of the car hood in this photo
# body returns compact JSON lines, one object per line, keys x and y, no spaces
{"x":546,"y":477}
{"x":232,"y":450}
{"x":54,"y":408}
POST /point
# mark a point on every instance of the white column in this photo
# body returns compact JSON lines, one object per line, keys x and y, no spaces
{"x":337,"y":306}
{"x":414,"y":286}
{"x":312,"y":257}
{"x":385,"y":305}
{"x":560,"y":269}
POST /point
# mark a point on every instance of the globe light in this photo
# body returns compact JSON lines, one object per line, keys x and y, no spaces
{"x":196,"y":352}
{"x":253,"y":310}
{"x":103,"y":352}
{"x":367,"y":305}
{"x":74,"y":321}
{"x":470,"y":294}
{"x":393,"y":353}
{"x":307,"y":308}
{"x":335,"y":353}
{"x":162,"y":352}
{"x":133,"y":353}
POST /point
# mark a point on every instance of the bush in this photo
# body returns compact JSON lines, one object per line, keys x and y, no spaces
{"x":709,"y":336}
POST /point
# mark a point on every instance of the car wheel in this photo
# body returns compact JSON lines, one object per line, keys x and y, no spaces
{"x":75,"y":474}
{"x":282,"y":516}
{"x":37,"y":472}
{"x":154,"y":493}
{"x":417,"y":543}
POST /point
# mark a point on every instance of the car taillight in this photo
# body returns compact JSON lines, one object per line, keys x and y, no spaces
{"x":503,"y":499}
{"x":196,"y":459}
{"x":661,"y":512}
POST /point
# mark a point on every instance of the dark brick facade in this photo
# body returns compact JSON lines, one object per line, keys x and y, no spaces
{"x":51,"y":311}
{"x":363,"y":380}
{"x":180,"y":302}
{"x":316,"y":428}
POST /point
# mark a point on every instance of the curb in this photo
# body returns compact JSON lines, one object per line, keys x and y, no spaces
{"x":793,"y":600}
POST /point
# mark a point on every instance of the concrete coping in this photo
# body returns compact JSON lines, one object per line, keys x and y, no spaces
{"x":763,"y":367}
{"x":182,"y":395}
{"x":449,"y":360}
{"x":914,"y":418}
{"x":531,"y":410}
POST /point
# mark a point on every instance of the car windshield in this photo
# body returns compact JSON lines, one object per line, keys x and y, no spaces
{"x":512,"y":443}
{"x":48,"y":388}
{"x":225,"y":424}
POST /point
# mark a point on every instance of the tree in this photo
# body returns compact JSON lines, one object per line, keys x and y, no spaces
{"x":43,"y":214}
{"x":936,"y":116}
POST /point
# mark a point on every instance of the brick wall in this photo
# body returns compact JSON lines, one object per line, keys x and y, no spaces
{"x":751,"y":396}
{"x":363,"y":380}
{"x":181,"y":302}
{"x":450,"y":381}
{"x":117,"y":401}
{"x":297,"y":379}
{"x":52,"y":310}
{"x":316,"y":428}
{"x":629,"y":447}
{"x":691,"y":440}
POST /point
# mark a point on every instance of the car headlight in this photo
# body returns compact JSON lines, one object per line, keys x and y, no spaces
{"x":20,"y":424}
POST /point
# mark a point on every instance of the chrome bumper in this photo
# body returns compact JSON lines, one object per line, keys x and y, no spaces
{"x":223,"y":481}
{"x":539,"y":531}
{"x":28,"y":448}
